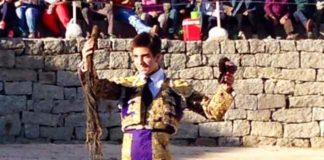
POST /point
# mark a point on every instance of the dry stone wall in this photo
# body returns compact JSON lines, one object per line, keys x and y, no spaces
{"x":279,"y":91}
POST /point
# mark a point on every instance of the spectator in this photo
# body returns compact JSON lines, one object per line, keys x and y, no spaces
{"x":278,"y":13}
{"x":170,"y":20}
{"x":244,"y":13}
{"x":28,"y":12}
{"x":7,"y":16}
{"x":99,"y":11}
{"x":304,"y":14}
{"x":56,"y":15}
{"x":148,"y":11}
{"x":208,"y":17}
{"x":124,"y":12}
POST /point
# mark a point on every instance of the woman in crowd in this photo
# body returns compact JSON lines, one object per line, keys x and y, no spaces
{"x":8,"y":16}
{"x":56,"y":17}
{"x":28,"y":12}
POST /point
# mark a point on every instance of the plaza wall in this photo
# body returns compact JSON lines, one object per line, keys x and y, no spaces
{"x":279,"y":91}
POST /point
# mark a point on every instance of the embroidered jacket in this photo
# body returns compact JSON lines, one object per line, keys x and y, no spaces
{"x":152,"y":125}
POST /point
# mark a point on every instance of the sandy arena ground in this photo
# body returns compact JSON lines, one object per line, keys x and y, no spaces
{"x":112,"y":152}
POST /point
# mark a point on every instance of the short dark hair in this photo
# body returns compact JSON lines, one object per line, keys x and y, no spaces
{"x":153,"y":42}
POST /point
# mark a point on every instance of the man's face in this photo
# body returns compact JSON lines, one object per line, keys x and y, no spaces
{"x":144,"y":60}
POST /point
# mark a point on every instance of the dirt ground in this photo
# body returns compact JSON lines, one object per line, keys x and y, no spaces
{"x":112,"y":152}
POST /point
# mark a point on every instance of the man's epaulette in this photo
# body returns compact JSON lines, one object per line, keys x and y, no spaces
{"x":181,"y":87}
{"x":127,"y":81}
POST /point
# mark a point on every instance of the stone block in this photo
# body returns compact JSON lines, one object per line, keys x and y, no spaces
{"x":18,"y":88}
{"x":75,"y":120}
{"x":68,"y":62}
{"x":227,"y":47}
{"x":322,"y":128}
{"x":250,"y":73}
{"x":45,"y":106}
{"x":104,"y":43}
{"x":302,"y":130}
{"x":110,"y":120}
{"x":7,"y":58}
{"x":257,"y":46}
{"x":70,"y":93}
{"x":101,"y":59}
{"x":42,"y":91}
{"x":269,"y":86}
{"x":209,"y":142}
{"x":253,"y":141}
{"x":248,"y":61}
{"x":268,"y":101}
{"x":309,"y":88}
{"x":10,"y":125}
{"x":176,"y":46}
{"x":246,"y":102}
{"x":17,"y":75}
{"x":119,"y":60}
{"x":34,"y":46}
{"x":248,"y":86}
{"x":284,"y":87}
{"x":114,"y":74}
{"x":317,"y":142}
{"x":31,"y":131}
{"x":215,"y":129}
{"x":266,"y":129}
{"x":286,"y":60}
{"x":242,"y":46}
{"x":197,"y":73}
{"x":12,"y":104}
{"x":294,"y":74}
{"x":299,"y":115}
{"x":269,"y":73}
{"x":307,"y":45}
{"x":66,"y":78}
{"x":186,"y":131}
{"x":119,"y":44}
{"x":234,"y":114}
{"x":193,"y":47}
{"x":53,"y":46}
{"x":287,"y":45}
{"x":196,"y":60}
{"x":306,"y":101}
{"x":177,"y":61}
{"x":318,"y":114}
{"x":229,"y":141}
{"x":272,"y":46}
{"x":30,"y":62}
{"x":40,"y":118}
{"x":59,"y":133}
{"x":80,"y":133}
{"x":211,"y":47}
{"x":192,"y":117}
{"x":241,"y":128}
{"x":47,"y":77}
{"x":263,"y":60}
{"x":259,"y":115}
{"x":11,"y":44}
{"x":65,"y":106}
{"x":312,"y":60}
{"x":115,"y":134}
{"x":320,"y":75}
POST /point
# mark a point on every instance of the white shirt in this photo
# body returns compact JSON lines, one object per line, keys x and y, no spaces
{"x":157,"y":80}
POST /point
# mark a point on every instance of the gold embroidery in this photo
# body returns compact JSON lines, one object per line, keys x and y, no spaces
{"x":160,"y":148}
{"x":127,"y":146}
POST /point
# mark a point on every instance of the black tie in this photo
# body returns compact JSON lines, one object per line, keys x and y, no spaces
{"x":147,"y":96}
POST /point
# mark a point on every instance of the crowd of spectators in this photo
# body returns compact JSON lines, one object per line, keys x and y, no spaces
{"x":290,"y":19}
